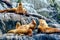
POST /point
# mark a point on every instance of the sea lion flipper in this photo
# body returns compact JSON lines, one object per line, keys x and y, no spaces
{"x":11,"y":31}
{"x":18,"y":25}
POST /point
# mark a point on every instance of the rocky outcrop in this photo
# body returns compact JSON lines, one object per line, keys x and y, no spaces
{"x":35,"y":37}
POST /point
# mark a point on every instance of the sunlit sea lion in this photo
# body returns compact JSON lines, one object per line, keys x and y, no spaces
{"x":18,"y":10}
{"x":43,"y":27}
{"x":31,"y":25}
{"x":24,"y":29}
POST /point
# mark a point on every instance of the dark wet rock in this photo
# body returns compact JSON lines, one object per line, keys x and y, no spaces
{"x":16,"y":37}
{"x":57,"y":18}
{"x":34,"y":37}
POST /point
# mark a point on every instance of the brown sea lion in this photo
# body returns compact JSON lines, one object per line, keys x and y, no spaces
{"x":43,"y":27}
{"x":19,"y":9}
{"x":24,"y":29}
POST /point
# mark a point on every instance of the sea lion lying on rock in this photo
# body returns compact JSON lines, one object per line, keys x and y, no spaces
{"x":24,"y":29}
{"x":43,"y":27}
{"x":18,"y":10}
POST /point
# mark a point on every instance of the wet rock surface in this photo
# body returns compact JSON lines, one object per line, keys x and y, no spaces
{"x":34,"y":37}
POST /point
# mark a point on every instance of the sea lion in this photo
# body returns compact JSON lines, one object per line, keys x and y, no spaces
{"x":24,"y":29}
{"x":31,"y":25}
{"x":43,"y":27}
{"x":19,"y":9}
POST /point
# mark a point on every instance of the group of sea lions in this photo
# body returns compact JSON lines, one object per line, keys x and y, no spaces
{"x":27,"y":29}
{"x":24,"y":29}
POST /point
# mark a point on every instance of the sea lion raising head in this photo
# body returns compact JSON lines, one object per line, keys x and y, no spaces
{"x":18,"y":10}
{"x":43,"y":27}
{"x":24,"y":29}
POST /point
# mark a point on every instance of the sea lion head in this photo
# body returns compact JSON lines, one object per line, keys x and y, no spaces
{"x":43,"y":23}
{"x":19,"y":4}
{"x":33,"y":24}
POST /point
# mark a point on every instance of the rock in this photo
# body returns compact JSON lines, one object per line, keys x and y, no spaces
{"x":16,"y":37}
{"x":34,"y":37}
